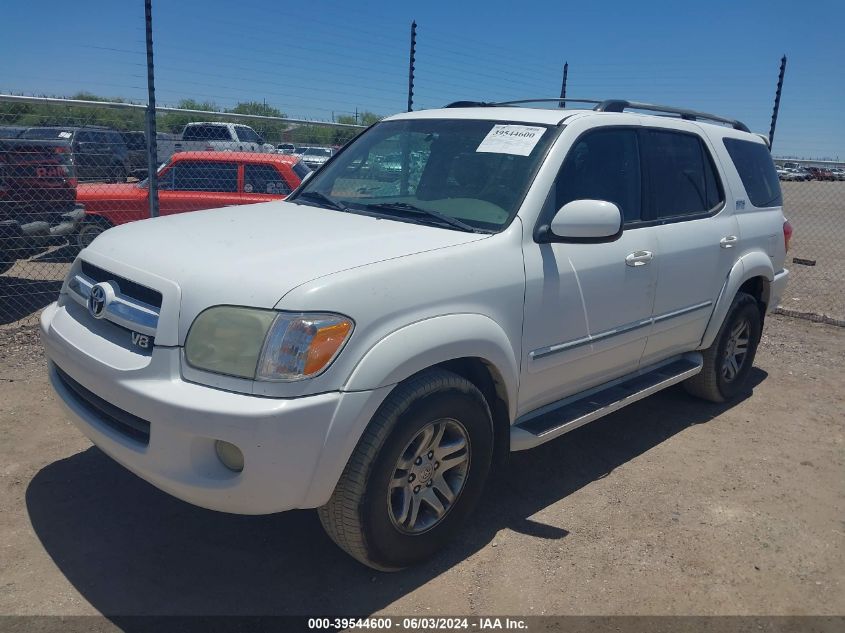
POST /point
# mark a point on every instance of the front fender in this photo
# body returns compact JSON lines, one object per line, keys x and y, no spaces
{"x":425,"y":343}
{"x":396,"y":357}
{"x":749,"y":266}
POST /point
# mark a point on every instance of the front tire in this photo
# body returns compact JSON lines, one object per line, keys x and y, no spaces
{"x":728,"y":361}
{"x":416,"y":473}
{"x":89,"y":230}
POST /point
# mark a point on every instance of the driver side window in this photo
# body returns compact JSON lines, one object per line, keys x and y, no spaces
{"x":603,"y":164}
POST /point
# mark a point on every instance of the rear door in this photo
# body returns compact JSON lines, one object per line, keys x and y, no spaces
{"x":264,"y":182}
{"x":191,"y":185}
{"x":697,"y":235}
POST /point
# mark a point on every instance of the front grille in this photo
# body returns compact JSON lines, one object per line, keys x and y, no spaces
{"x":127,"y":287}
{"x":114,"y":417}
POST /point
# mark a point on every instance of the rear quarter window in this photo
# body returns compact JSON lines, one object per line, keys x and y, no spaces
{"x":754,"y":164}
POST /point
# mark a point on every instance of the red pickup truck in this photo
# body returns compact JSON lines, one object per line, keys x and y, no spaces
{"x":191,"y":181}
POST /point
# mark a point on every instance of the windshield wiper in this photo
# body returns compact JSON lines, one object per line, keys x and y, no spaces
{"x":321,"y":197}
{"x":442,"y":217}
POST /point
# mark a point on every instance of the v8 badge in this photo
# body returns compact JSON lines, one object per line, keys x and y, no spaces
{"x":142,"y":340}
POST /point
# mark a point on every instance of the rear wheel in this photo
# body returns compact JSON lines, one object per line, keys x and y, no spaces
{"x":728,"y":361}
{"x":416,"y":473}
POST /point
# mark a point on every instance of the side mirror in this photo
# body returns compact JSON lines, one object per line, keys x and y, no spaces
{"x":584,"y":221}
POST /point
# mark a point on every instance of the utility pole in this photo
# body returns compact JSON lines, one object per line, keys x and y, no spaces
{"x":152,"y":147}
{"x":411,"y":65}
{"x":562,"y":102}
{"x":777,"y":101}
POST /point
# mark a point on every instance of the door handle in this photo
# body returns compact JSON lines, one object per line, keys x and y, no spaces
{"x":639,"y":258}
{"x":729,"y":241}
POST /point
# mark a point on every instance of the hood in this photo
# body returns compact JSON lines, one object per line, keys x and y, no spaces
{"x":253,"y":255}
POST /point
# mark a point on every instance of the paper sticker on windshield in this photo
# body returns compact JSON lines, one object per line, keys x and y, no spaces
{"x":65,"y":134}
{"x":511,"y":139}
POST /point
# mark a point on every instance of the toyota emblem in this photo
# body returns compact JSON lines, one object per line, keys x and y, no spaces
{"x":97,"y":301}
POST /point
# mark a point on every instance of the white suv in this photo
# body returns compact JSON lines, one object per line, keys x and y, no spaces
{"x":375,"y":343}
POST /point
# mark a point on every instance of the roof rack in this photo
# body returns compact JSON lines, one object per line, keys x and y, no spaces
{"x":620,"y":105}
{"x":490,"y":104}
{"x":612,"y":105}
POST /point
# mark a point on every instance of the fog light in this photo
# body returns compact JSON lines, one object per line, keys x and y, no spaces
{"x":230,"y":455}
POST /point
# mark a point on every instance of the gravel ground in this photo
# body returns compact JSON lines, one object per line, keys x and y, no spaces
{"x":671,"y":506}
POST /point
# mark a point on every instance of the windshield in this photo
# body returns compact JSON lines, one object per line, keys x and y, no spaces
{"x":318,"y":151}
{"x":473,"y":171}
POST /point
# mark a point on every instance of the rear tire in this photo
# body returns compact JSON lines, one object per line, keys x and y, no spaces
{"x":728,"y":361}
{"x":393,"y":470}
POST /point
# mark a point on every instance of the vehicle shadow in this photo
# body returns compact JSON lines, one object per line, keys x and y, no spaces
{"x":20,"y":298}
{"x":130,"y":549}
{"x":63,"y":254}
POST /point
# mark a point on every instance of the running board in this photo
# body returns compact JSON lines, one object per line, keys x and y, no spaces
{"x":561,"y":417}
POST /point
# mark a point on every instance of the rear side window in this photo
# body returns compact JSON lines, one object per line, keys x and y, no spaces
{"x":603,"y":165}
{"x":264,"y":179}
{"x":757,"y":172}
{"x":681,"y":175}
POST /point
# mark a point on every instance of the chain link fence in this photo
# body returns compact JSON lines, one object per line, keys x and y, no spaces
{"x":815,"y":206}
{"x":71,"y":169}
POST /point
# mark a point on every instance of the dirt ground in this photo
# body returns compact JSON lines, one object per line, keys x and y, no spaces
{"x":671,"y":506}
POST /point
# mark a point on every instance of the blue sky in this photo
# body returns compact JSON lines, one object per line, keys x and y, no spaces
{"x":323,"y":57}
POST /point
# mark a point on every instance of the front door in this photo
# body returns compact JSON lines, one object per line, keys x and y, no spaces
{"x":588,"y":306}
{"x":192,"y":185}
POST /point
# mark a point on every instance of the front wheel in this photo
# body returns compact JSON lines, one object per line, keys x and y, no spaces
{"x":89,"y":230}
{"x":416,"y":474}
{"x":728,"y":361}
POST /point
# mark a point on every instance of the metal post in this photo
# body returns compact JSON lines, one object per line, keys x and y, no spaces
{"x":411,"y":66}
{"x":562,"y":104}
{"x":152,"y":149}
{"x":777,"y":101}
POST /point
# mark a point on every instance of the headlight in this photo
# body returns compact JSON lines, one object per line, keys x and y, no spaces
{"x":265,"y":344}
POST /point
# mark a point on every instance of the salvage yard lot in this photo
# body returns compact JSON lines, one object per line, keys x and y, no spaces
{"x":816,"y":210}
{"x":670,"y":506}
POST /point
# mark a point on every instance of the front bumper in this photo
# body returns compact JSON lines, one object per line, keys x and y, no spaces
{"x":294,"y":449}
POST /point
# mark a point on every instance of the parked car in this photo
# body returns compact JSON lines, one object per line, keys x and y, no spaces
{"x":316,"y":157}
{"x":286,"y":148}
{"x":11,"y":131}
{"x":37,"y":198}
{"x":793,"y":174}
{"x":211,"y":137}
{"x":801,"y":174}
{"x":838,"y":174}
{"x":136,"y":144}
{"x":191,"y":181}
{"x":373,"y":348}
{"x":97,"y":153}
{"x":819,"y":173}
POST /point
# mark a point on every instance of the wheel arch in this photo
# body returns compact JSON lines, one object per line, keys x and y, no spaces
{"x":753,"y":274}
